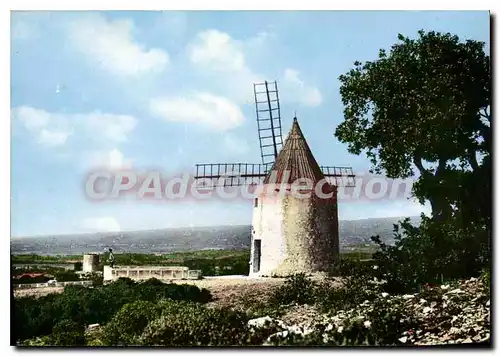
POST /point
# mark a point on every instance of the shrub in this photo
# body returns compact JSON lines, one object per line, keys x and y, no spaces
{"x":77,"y":266}
{"x":344,"y":267}
{"x":297,"y":288}
{"x":37,"y":317}
{"x":97,"y":280}
{"x":351,"y":292}
{"x":486,"y":278}
{"x":191,"y":324}
{"x":431,"y":253}
{"x":130,"y":322}
{"x":67,"y":339}
{"x":66,"y":276}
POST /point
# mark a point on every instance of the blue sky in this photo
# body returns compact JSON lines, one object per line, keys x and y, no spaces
{"x":171,"y":89}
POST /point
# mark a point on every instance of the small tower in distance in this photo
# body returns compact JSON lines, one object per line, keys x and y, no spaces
{"x":290,"y":233}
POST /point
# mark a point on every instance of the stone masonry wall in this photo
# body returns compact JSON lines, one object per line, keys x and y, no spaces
{"x":298,"y":235}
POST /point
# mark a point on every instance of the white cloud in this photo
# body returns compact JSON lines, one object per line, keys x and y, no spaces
{"x":101,"y":224}
{"x":110,"y":127}
{"x":48,"y":129}
{"x":299,"y":91}
{"x":106,"y":159}
{"x":225,"y":58}
{"x":110,"y":44}
{"x":207,"y":109}
{"x":53,"y":138}
{"x":217,"y":50}
{"x":222,"y":60}
{"x":53,"y":129}
{"x":259,"y":40}
{"x":33,"y":119}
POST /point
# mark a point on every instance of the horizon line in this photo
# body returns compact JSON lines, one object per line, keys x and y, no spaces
{"x":180,"y":227}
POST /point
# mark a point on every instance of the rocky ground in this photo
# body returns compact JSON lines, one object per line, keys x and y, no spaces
{"x":444,"y":314}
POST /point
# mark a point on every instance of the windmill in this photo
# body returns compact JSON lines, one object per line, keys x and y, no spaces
{"x":289,"y":235}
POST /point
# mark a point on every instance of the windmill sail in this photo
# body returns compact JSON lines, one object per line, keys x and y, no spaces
{"x":267,"y":109}
{"x":295,"y":157}
{"x":209,"y":175}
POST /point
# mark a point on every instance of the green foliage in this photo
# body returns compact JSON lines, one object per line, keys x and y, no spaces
{"x":41,"y":259}
{"x":67,"y":333}
{"x":66,"y":276}
{"x":424,"y":107}
{"x":297,"y":288}
{"x":486,"y":277}
{"x":367,"y":317}
{"x":435,"y":119}
{"x":77,"y":266}
{"x":211,"y":263}
{"x":190,"y":324}
{"x":97,"y":279}
{"x":130,"y":322}
{"x":344,"y":267}
{"x":37,"y":316}
{"x":431,"y":253}
{"x":433,"y":113}
{"x":329,"y":294}
{"x":352,"y":291}
{"x":385,"y":325}
{"x":37,"y":342}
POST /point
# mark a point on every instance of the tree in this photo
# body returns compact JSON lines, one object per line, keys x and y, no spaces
{"x":424,"y":107}
{"x":77,"y":266}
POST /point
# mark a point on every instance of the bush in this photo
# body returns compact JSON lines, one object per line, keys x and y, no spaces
{"x":191,"y":324}
{"x":297,"y":289}
{"x":130,"y":322}
{"x":328,"y":294}
{"x":431,"y":253}
{"x":66,"y":276}
{"x":96,"y":279}
{"x":37,"y":316}
{"x":65,"y":333}
{"x":351,"y":292}
{"x":486,"y":278}
{"x":77,"y":266}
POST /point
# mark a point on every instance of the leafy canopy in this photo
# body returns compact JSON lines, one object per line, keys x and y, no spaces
{"x":423,"y":105}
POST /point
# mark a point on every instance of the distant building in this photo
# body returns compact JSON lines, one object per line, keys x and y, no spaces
{"x":164,"y":273}
{"x":90,"y":263}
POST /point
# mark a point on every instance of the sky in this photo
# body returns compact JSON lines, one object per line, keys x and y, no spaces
{"x":167,"y":90}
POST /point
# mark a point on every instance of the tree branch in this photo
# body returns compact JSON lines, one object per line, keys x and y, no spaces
{"x":485,"y":114}
{"x":472,"y":159}
{"x":417,"y":161}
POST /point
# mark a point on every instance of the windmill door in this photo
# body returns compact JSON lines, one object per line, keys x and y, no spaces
{"x":256,"y":255}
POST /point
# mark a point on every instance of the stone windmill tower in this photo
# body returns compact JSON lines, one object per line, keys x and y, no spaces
{"x":295,"y":216}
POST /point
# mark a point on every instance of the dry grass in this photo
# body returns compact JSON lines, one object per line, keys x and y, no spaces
{"x":37,"y":292}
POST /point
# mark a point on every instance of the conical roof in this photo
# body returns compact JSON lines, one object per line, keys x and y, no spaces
{"x":296,"y":158}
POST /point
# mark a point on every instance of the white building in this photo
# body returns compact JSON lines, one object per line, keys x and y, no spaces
{"x":293,"y":234}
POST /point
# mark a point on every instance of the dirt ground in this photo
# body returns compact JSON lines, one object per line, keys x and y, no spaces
{"x":225,"y":291}
{"x":237,"y":291}
{"x":230,"y":291}
{"x":39,"y":292}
